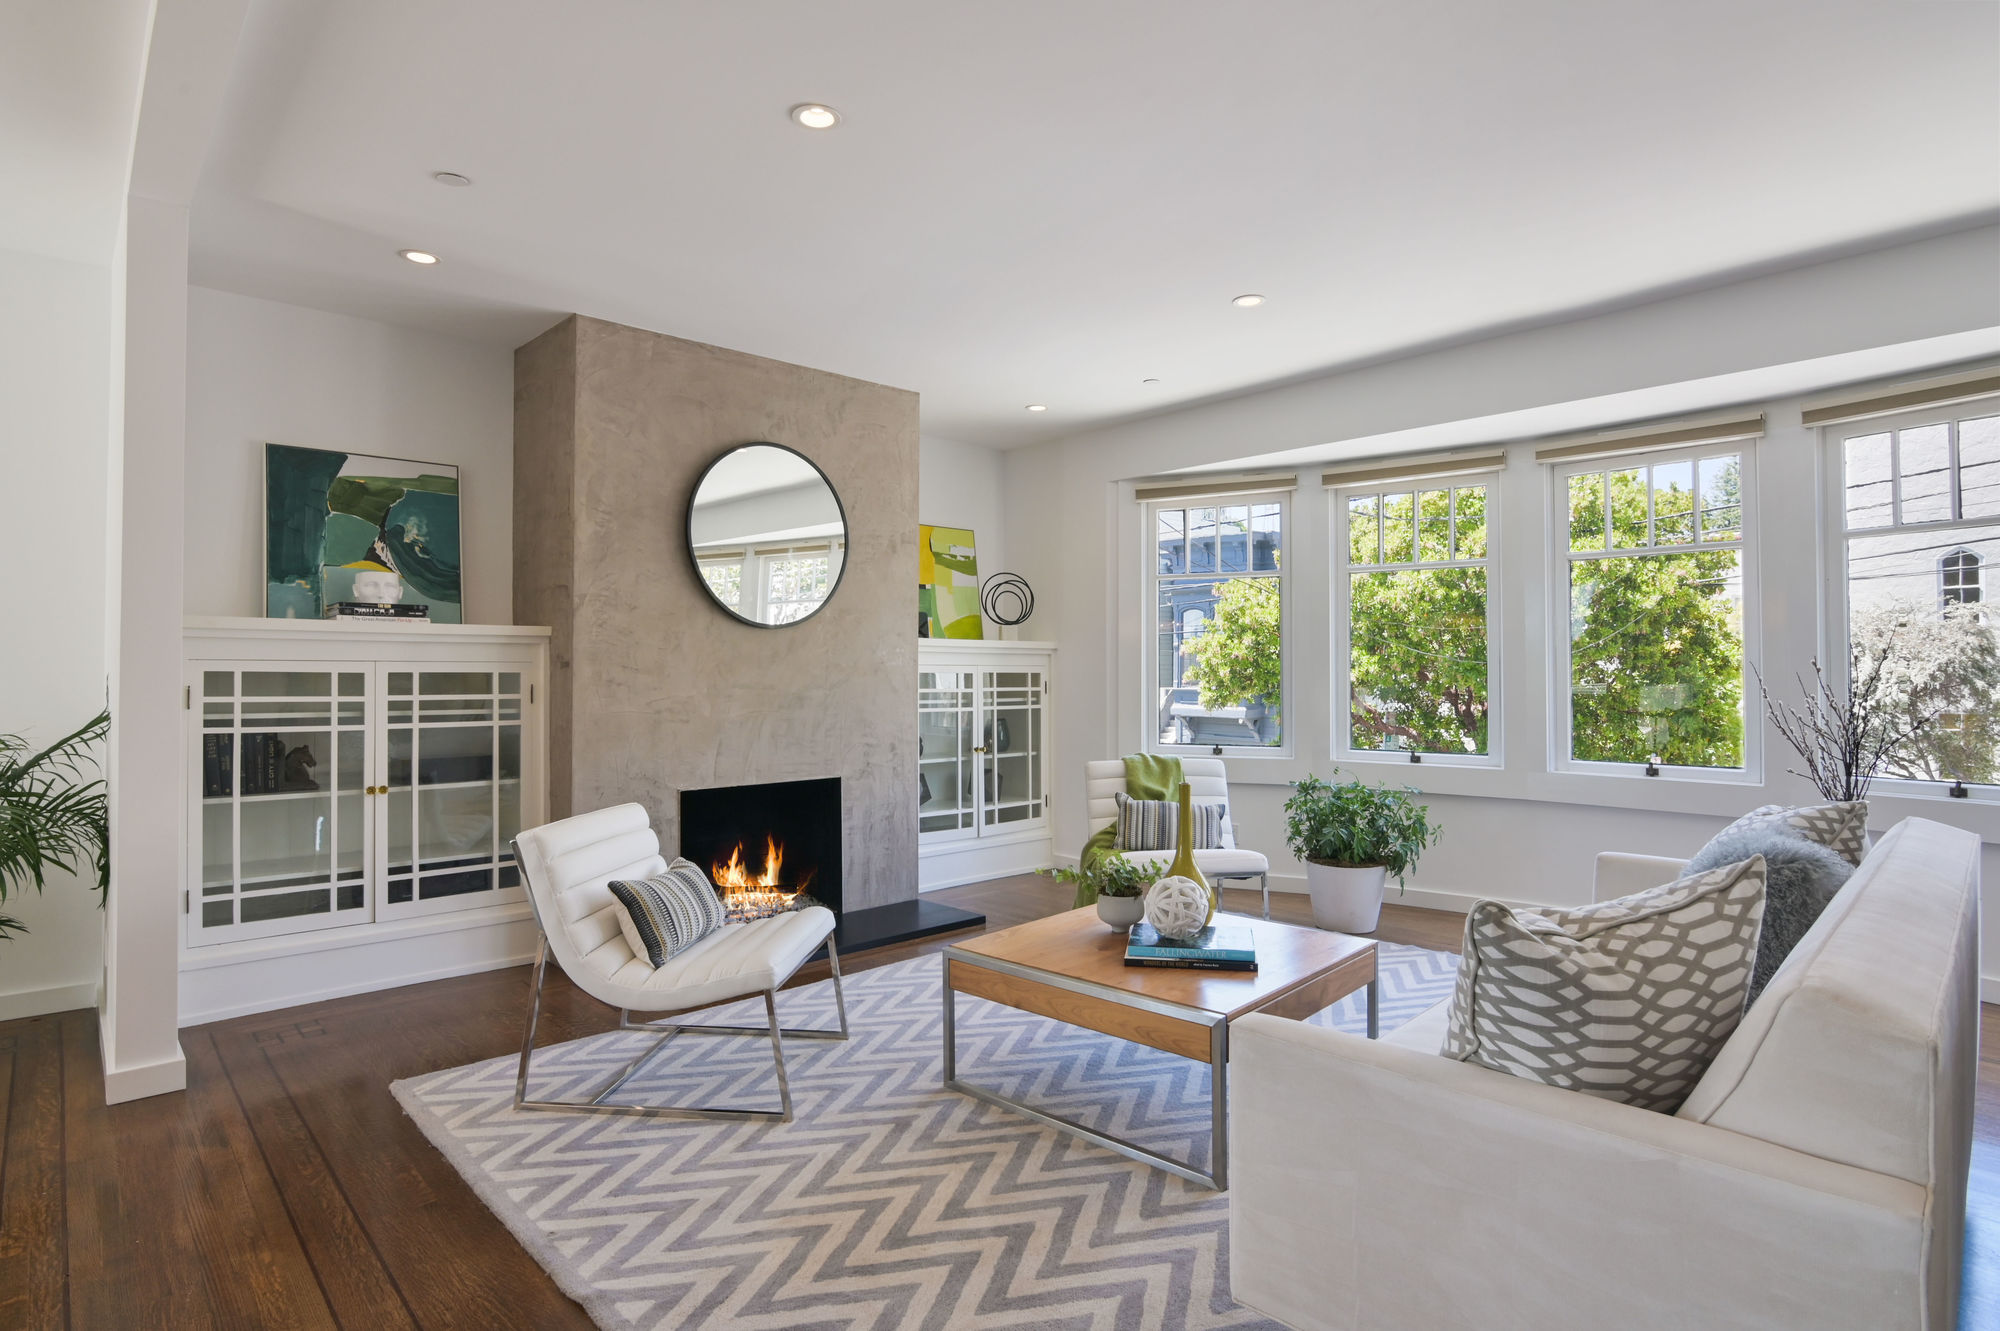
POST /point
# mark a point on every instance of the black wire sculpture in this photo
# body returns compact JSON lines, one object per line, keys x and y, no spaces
{"x":1007,"y":599}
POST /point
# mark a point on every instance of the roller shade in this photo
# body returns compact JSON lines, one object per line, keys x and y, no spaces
{"x":1665,"y":434}
{"x":1196,"y":487}
{"x":1883,"y":399}
{"x":1414,"y":467}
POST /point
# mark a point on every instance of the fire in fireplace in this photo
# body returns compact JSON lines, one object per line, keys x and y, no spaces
{"x":764,"y":844}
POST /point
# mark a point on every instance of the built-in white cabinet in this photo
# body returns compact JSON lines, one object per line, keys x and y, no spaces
{"x":354,"y":782}
{"x":983,"y":759}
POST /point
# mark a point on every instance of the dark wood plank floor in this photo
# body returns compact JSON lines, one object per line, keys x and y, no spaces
{"x":286,"y":1188}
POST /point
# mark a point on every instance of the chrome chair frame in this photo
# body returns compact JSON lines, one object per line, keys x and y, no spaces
{"x":601,"y":1103}
{"x":1263,"y":880}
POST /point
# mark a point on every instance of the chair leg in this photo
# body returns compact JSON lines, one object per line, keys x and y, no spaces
{"x":1264,"y":879}
{"x":597,"y":1105}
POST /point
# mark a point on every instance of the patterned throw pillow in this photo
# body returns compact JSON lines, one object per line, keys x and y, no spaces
{"x":1842,"y":828}
{"x":670,"y":913}
{"x":1155,"y":824}
{"x":1626,"y":1000}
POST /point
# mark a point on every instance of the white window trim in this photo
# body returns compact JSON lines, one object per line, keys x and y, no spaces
{"x":1341,"y":741}
{"x":1835,"y":651}
{"x":1556,"y":490}
{"x":1149,"y":581}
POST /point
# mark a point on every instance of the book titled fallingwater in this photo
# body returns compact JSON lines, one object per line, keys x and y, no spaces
{"x":1213,"y":949}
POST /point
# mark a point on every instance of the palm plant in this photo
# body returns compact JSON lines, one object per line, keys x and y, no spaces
{"x":51,"y":817}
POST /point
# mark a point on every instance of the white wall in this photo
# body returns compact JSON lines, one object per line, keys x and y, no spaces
{"x":962,"y":485}
{"x":262,"y":372}
{"x":54,"y":380}
{"x":1527,"y":833}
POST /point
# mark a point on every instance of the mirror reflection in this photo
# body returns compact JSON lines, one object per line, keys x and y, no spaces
{"x":767,"y":534}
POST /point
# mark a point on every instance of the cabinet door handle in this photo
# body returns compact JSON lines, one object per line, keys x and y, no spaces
{"x":979,"y":748}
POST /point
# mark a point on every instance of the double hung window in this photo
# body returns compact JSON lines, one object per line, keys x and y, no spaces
{"x":1218,"y":590}
{"x":1651,"y":610}
{"x":1415,"y":634}
{"x":1919,"y":532}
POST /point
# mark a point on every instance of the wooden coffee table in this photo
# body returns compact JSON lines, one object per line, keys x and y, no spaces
{"x":1071,"y":967}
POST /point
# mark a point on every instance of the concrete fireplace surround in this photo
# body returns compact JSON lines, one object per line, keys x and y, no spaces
{"x":653,"y":688}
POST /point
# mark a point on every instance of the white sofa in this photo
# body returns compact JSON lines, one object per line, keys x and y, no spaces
{"x":1814,"y":1181}
{"x":1208,"y":783}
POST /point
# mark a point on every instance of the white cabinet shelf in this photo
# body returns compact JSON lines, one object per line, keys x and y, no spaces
{"x":983,"y":759}
{"x":364,"y":713}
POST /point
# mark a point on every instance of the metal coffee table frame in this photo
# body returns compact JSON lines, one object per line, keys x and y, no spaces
{"x":1218,"y":1062}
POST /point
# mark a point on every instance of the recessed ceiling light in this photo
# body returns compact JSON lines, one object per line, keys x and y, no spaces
{"x":419,"y":256}
{"x":1246,"y":301}
{"x":451,"y":178}
{"x":1036,"y":406}
{"x":814,"y":116}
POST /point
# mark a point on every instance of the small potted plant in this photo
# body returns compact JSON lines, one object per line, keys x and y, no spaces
{"x":1351,"y":837}
{"x":1120,"y":885}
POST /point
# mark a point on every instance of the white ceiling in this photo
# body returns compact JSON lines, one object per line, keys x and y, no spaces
{"x":69,"y":86}
{"x":1049,"y":201}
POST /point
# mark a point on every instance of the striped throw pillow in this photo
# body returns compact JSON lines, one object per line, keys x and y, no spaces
{"x":1155,"y":824}
{"x":670,"y":913}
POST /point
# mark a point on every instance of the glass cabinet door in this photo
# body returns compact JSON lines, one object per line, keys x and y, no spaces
{"x":452,"y":779}
{"x":1011,"y":745}
{"x":280,"y":766}
{"x":947,"y":802}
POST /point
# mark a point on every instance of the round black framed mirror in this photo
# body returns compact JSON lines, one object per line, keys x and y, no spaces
{"x":767,"y":534}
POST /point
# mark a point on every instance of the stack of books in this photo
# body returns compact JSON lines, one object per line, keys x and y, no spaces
{"x":376,"y":610}
{"x":1228,"y":948}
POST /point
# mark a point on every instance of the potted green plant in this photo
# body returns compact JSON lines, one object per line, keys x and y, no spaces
{"x":1120,"y":885}
{"x":51,"y":816}
{"x":1351,"y":837}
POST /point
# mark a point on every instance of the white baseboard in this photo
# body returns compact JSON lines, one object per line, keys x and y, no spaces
{"x":350,"y":988}
{"x":41,"y":1002}
{"x":136,"y":1083}
{"x":1989,"y":988}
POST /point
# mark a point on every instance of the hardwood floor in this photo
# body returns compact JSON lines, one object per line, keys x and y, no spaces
{"x":286,"y":1188}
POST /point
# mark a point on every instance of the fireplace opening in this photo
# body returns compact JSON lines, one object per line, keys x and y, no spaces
{"x":765,"y":844}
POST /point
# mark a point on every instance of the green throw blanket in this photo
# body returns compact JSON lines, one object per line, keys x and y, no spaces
{"x":1148,"y":776}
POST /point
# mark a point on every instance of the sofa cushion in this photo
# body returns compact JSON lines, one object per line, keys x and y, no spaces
{"x":1800,"y":877}
{"x":1627,"y":1000}
{"x":1842,"y":827}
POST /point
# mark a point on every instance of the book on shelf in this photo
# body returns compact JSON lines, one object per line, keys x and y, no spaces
{"x":374,"y":610}
{"x":218,"y":765}
{"x":1226,"y":947}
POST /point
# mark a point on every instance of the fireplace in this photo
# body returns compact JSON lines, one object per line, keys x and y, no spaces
{"x":764,"y":844}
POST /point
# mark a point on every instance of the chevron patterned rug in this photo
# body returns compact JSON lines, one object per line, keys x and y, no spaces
{"x":888,"y":1203}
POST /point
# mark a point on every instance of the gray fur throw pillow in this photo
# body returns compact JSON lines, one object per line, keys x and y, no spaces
{"x":1801,"y":877}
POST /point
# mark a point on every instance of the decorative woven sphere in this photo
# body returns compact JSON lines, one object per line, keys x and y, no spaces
{"x":1007,"y":599}
{"x":1177,"y":907}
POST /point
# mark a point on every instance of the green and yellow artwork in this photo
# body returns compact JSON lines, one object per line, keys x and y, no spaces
{"x":947,"y":584}
{"x":331,"y":517}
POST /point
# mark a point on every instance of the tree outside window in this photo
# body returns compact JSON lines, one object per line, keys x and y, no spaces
{"x":1418,"y":678}
{"x":1220,"y":656}
{"x":1656,"y":612}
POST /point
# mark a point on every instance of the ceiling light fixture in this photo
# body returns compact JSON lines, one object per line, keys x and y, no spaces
{"x":451,"y":178}
{"x":1149,"y":381}
{"x":419,"y":256}
{"x":815,"y":116}
{"x":1036,"y":406}
{"x":1248,"y":300}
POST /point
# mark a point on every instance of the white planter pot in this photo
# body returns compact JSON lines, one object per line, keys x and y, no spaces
{"x":1121,"y":912}
{"x":1347,"y":901}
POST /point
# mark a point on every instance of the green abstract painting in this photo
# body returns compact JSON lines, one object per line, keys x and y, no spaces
{"x":947,"y":584}
{"x":331,"y":517}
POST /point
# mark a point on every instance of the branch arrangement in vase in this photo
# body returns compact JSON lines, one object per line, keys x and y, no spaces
{"x":1843,"y":741}
{"x":51,"y":817}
